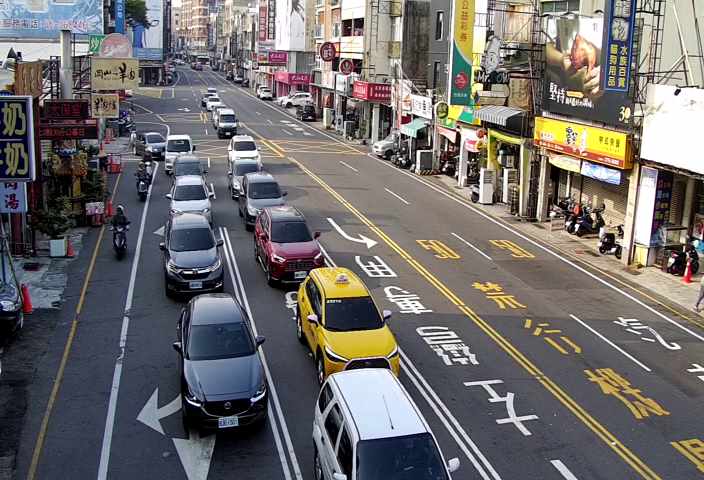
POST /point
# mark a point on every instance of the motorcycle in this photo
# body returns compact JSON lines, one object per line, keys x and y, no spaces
{"x":401,"y":159}
{"x":587,"y":225}
{"x":677,"y":263}
{"x":562,"y":208}
{"x":119,"y":240}
{"x":448,"y":166}
{"x":610,"y":243}
{"x":571,"y":219}
{"x":142,"y":189}
{"x":149,"y":169}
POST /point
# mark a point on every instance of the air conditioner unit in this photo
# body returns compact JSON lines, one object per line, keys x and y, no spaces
{"x":394,"y":49}
{"x":486,"y":186}
{"x":510,"y":177}
{"x":424,"y":160}
{"x":348,"y":128}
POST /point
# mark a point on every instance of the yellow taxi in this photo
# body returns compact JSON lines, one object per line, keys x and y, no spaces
{"x":338,"y":319}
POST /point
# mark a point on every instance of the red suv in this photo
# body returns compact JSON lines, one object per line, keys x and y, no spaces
{"x":283,"y":245}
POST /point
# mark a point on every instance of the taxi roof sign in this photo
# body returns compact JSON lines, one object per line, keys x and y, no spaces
{"x":342,"y":278}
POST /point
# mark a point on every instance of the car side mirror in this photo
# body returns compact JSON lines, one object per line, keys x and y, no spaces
{"x":177,"y":346}
{"x":313,"y":318}
{"x":316,"y":235}
{"x":169,"y":196}
{"x":453,"y":464}
{"x":259,"y":340}
{"x":211,"y":194}
{"x":386,"y":314}
{"x":220,"y":242}
{"x":283,"y":194}
{"x":162,"y":246}
{"x":339,"y":476}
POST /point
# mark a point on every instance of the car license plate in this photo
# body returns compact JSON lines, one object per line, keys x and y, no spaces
{"x":300,"y":275}
{"x":228,"y":422}
{"x":195,"y":285}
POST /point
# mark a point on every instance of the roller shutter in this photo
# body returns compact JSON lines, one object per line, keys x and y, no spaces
{"x":594,"y":193}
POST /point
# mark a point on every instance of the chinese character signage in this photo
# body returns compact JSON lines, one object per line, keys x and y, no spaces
{"x":105,"y":105}
{"x":13,"y":197}
{"x":16,"y":139}
{"x":94,"y":42}
{"x":29,"y":79}
{"x":46,"y":18}
{"x":68,"y":131}
{"x":461,"y":61}
{"x":581,"y":79}
{"x":328,"y":52}
{"x":422,"y":106}
{"x":271,"y":20}
{"x":262,"y":22}
{"x":278,"y":58}
{"x":589,"y":143}
{"x":65,"y":109}
{"x":372,"y":92}
{"x":114,"y":73}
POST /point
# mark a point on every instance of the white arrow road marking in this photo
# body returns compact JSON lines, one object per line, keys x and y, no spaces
{"x":159,"y":231}
{"x":151,"y":414}
{"x":563,"y":469}
{"x":195,"y":454}
{"x":361,"y":239}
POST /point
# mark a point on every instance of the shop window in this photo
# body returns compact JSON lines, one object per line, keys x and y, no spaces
{"x":347,"y":28}
{"x":560,"y":6}
{"x":439,"y":24}
{"x":358,"y":27}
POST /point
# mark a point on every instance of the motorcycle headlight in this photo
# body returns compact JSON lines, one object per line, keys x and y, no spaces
{"x":236,"y":185}
{"x":259,"y":394}
{"x":334,"y":357}
{"x":277,"y":258}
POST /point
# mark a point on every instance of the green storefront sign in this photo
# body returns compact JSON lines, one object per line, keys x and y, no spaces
{"x":94,"y":43}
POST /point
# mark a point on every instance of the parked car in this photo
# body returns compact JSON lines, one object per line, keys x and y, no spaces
{"x":259,"y":190}
{"x":192,"y":263}
{"x":238,"y":169}
{"x":188,"y":165}
{"x":265,"y":93}
{"x":191,"y":194}
{"x":306,"y":112}
{"x":223,"y":384}
{"x":226,"y":124}
{"x":237,"y":78}
{"x":210,"y":102}
{"x":11,"y":316}
{"x":243,"y":146}
{"x":339,"y":321}
{"x":245,"y":83}
{"x":150,"y":146}
{"x":283,"y":245}
{"x":296,"y":99}
{"x":366,"y":426}
{"x":229,"y":76}
{"x":387,"y":146}
{"x":176,"y":145}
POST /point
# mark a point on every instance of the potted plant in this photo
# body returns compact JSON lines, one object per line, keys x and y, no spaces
{"x":54,"y":222}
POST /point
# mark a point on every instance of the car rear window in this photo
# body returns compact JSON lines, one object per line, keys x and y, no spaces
{"x":244,"y":146}
{"x":191,"y":239}
{"x":214,"y":99}
{"x":219,"y":341}
{"x":181,"y":145}
{"x":154,"y":138}
{"x":290,"y":232}
{"x":187,"y":168}
{"x":349,"y":314}
{"x":260,"y":191}
{"x":411,"y":456}
{"x":227,"y":118}
{"x":189,"y":192}
{"x":242,"y":169}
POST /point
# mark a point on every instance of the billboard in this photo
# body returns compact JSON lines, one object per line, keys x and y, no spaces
{"x":17,"y":142}
{"x":114,"y":73}
{"x":46,"y":18}
{"x":462,"y":45}
{"x":290,"y":25}
{"x":148,"y":40}
{"x":105,"y":105}
{"x":584,"y":80}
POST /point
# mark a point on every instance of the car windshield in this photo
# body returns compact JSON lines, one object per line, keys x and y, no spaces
{"x":227,"y":118}
{"x":182,"y":145}
{"x":266,"y":90}
{"x":400,"y":458}
{"x":213,"y":99}
{"x":218,"y":341}
{"x":290,"y":232}
{"x":191,"y":239}
{"x":259,"y":191}
{"x":244,"y":146}
{"x":187,"y":168}
{"x":242,"y":169}
{"x":346,"y":314}
{"x":189,"y":192}
{"x":155,"y":138}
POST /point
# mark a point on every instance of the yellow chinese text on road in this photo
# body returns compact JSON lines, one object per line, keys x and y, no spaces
{"x":441,"y":250}
{"x":611,"y":383}
{"x":516,"y":251}
{"x":693,"y":449}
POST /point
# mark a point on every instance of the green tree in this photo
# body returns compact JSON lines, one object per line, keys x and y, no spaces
{"x":136,"y":12}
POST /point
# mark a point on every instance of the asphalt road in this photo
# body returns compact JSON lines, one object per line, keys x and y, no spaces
{"x":560,"y":374}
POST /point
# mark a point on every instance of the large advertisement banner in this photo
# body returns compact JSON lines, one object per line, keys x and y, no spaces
{"x":290,"y":25}
{"x":584,"y":80}
{"x":46,"y":18}
{"x":17,"y":142}
{"x":461,"y":62}
{"x":114,"y":73}
{"x":147,"y":40}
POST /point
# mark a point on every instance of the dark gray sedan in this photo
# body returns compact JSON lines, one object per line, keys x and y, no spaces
{"x":150,"y":146}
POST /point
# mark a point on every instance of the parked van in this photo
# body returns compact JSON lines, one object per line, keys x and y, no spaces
{"x":367,"y":426}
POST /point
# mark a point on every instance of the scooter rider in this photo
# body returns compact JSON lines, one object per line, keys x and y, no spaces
{"x":142,"y":174}
{"x":119,"y":219}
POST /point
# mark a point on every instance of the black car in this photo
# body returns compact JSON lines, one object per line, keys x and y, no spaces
{"x":222,"y":379}
{"x":305,"y":112}
{"x":192,"y":263}
{"x":149,"y":145}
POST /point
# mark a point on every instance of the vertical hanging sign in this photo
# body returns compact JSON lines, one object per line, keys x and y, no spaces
{"x":461,"y":61}
{"x":618,"y":44}
{"x":119,"y":16}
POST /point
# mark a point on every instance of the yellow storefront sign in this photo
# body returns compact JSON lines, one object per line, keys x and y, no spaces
{"x":105,"y":105}
{"x":114,"y":73}
{"x":590,"y":143}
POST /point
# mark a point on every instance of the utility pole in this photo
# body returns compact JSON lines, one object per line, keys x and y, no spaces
{"x":66,"y":70}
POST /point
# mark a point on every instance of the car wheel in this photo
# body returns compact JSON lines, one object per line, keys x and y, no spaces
{"x":317,"y":467}
{"x":166,"y":288}
{"x":299,"y":327}
{"x":288,"y":105}
{"x":186,"y":421}
{"x":239,"y":210}
{"x":320,"y":368}
{"x":269,"y":280}
{"x":387,"y":155}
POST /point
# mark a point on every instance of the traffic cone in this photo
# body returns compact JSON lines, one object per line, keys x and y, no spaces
{"x":69,"y":248}
{"x":688,"y":272}
{"x":26,"y":301}
{"x":108,"y":209}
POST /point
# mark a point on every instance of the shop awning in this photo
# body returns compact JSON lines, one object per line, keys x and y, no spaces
{"x":448,"y":133}
{"x":498,"y":115}
{"x":411,"y":129}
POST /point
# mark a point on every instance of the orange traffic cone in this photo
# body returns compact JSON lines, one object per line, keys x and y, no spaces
{"x":688,"y":272}
{"x":108,"y":209}
{"x":69,"y":249}
{"x":26,"y":301}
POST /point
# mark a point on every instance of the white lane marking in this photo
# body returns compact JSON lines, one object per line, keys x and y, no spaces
{"x":239,"y":288}
{"x":258,"y":113}
{"x":298,"y":129}
{"x":360,"y":238}
{"x":195,"y":453}
{"x":349,"y":166}
{"x":623,"y":352}
{"x":140,"y":106}
{"x":269,"y":120}
{"x":287,"y":132}
{"x":564,"y":471}
{"x":209,"y":169}
{"x":441,"y":411}
{"x":212,"y":190}
{"x":117,"y":375}
{"x":308,"y":134}
{"x":397,"y":196}
{"x":286,"y":121}
{"x":206,"y":130}
{"x":470,"y":245}
{"x":541,"y":247}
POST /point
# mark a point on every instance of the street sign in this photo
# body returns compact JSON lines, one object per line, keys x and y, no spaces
{"x":105,"y":105}
{"x":13,"y":197}
{"x":68,"y":131}
{"x":94,"y":42}
{"x":346,"y":67}
{"x":328,"y":52}
{"x":17,"y":162}
{"x":441,"y":110}
{"x":114,"y":73}
{"x":65,"y":110}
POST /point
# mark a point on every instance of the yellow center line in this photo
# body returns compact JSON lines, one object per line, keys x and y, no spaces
{"x":563,"y":397}
{"x":39,"y":444}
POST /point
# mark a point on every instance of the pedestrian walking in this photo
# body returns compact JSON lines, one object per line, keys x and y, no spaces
{"x":701,"y":295}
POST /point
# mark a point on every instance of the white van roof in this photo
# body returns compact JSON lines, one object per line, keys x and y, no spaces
{"x":226,"y":111}
{"x":179,"y":137}
{"x":379,"y":405}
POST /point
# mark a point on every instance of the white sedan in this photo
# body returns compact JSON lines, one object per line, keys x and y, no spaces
{"x":212,"y":101}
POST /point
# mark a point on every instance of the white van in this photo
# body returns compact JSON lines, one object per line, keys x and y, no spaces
{"x":366,"y":426}
{"x":176,"y":145}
